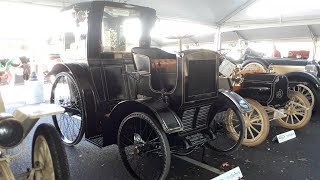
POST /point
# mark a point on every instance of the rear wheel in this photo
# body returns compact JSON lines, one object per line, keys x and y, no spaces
{"x":144,"y":147}
{"x":298,"y":112}
{"x":308,"y":91}
{"x":65,"y":92}
{"x":48,"y":154}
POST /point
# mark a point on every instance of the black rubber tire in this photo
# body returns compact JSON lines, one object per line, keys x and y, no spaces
{"x":57,"y":151}
{"x":162,"y":136}
{"x":212,"y":125}
{"x":81,"y":130}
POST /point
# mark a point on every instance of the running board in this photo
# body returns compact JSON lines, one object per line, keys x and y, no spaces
{"x":96,"y":140}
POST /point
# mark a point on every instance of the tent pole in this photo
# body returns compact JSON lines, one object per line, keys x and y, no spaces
{"x":217,"y":39}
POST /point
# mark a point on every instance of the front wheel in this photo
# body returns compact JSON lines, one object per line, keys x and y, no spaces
{"x":228,"y":129}
{"x":144,"y":147}
{"x":257,"y":124}
{"x":48,"y":154}
{"x":298,"y":112}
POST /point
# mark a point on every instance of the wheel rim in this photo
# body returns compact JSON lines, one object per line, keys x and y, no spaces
{"x":306,"y":91}
{"x":226,"y":138}
{"x":254,"y":67}
{"x":141,"y":149}
{"x":296,"y":109}
{"x":43,"y":160}
{"x":69,"y":124}
{"x":254,"y":126}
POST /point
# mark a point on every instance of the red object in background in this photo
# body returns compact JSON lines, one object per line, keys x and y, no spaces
{"x":299,"y":54}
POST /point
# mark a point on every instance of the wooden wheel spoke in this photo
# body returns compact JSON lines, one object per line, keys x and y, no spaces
{"x":292,"y":122}
{"x":257,"y":124}
{"x":298,"y":104}
{"x":255,"y":120}
{"x":250,"y":131}
{"x":250,"y":114}
{"x":255,"y":129}
{"x":296,"y":118}
{"x":236,"y":126}
{"x":287,"y":119}
{"x":300,"y":114}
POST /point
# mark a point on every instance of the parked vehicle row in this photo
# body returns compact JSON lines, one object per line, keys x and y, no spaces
{"x":115,"y":89}
{"x":152,"y":103}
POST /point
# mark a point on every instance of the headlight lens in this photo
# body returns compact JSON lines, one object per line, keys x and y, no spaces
{"x":11,"y":133}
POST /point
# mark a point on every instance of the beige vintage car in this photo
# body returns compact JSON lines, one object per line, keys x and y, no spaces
{"x":48,"y":154}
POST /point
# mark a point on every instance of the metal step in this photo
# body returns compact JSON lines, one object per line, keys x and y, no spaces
{"x":96,"y":140}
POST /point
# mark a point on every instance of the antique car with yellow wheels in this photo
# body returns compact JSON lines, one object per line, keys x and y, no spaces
{"x":304,"y":71}
{"x":49,"y":159}
{"x":149,"y":102}
{"x":271,"y":97}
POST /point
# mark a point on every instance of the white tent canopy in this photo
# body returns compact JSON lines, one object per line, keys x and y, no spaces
{"x":280,"y":19}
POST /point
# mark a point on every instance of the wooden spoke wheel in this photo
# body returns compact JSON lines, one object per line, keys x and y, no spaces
{"x":70,"y":125}
{"x":298,"y":111}
{"x":256,"y":123}
{"x":48,"y":155}
{"x":307,"y":92}
{"x":144,"y":147}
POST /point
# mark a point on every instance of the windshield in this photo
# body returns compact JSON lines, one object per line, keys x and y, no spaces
{"x":121,"y":29}
{"x":70,"y":37}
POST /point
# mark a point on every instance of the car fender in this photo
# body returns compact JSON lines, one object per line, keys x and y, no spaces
{"x":165,"y":117}
{"x":81,"y":74}
{"x":301,"y":76}
{"x":239,"y":102}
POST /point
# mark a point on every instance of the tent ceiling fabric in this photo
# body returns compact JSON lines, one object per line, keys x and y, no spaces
{"x":211,"y":12}
{"x":274,"y":33}
{"x":280,"y":19}
{"x":205,"y":11}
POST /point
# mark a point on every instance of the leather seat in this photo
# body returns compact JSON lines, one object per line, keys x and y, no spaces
{"x":161,"y":65}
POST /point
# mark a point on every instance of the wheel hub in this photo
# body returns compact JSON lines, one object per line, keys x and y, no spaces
{"x":136,"y":150}
{"x":247,"y":122}
{"x":291,"y":110}
{"x":137,"y":139}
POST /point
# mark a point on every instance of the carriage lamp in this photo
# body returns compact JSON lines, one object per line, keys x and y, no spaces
{"x":11,"y":133}
{"x":311,"y":68}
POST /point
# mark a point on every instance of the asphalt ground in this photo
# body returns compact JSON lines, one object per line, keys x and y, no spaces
{"x":298,"y":158}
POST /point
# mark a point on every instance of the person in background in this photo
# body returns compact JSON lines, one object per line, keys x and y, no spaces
{"x":25,"y":63}
{"x":275,"y":52}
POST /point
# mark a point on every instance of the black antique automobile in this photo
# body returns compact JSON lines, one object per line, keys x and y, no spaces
{"x":296,"y":70}
{"x":149,"y":102}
